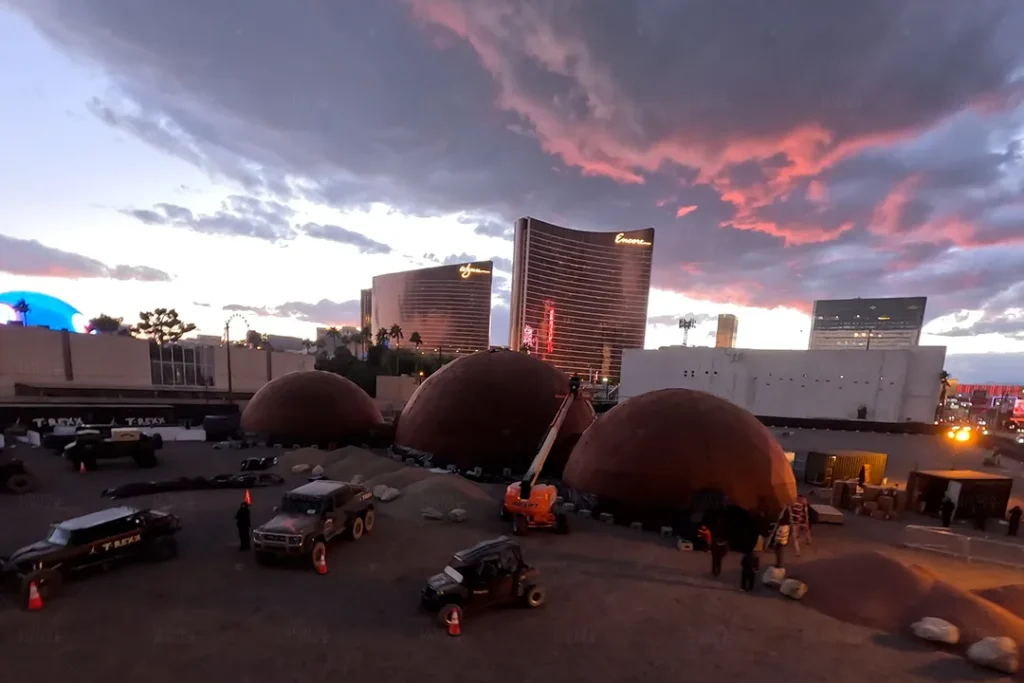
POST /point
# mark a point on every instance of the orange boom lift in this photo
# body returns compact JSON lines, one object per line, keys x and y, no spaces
{"x":531,"y":505}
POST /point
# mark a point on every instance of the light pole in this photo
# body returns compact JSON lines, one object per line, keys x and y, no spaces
{"x":687,"y":324}
{"x":227,"y":346}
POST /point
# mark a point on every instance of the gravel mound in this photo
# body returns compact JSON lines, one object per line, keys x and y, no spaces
{"x":877,"y":591}
{"x":444,"y":492}
{"x":399,"y":479}
{"x":1010,"y":598}
{"x":353,"y":460}
{"x":304,"y":456}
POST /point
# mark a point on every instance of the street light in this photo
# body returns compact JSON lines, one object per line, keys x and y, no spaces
{"x":227,"y":345}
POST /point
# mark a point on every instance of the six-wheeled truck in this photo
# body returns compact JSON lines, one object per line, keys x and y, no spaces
{"x":14,"y":478}
{"x":97,"y":540}
{"x":91,"y":446}
{"x":311,"y":516}
{"x":490,"y":574}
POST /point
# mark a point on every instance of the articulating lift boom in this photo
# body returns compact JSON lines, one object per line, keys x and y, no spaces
{"x":531,"y":505}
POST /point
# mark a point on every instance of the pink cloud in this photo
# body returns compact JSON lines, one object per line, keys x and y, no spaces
{"x":685,"y":210}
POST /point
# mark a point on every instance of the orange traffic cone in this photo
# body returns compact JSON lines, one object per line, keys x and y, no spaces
{"x":81,"y":468}
{"x":35,"y":601}
{"x":454,"y":628}
{"x":248,"y":498}
{"x":321,"y":564}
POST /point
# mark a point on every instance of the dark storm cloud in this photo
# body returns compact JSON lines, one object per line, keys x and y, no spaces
{"x":34,"y":259}
{"x":324,"y":312}
{"x":334,"y":233}
{"x":830,"y":148}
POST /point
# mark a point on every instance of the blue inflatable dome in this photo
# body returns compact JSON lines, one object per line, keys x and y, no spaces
{"x":43,"y":311}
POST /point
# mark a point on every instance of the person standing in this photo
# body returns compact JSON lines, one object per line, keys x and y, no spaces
{"x":703,"y":538}
{"x":781,"y":537}
{"x":1015,"y":515}
{"x":243,"y":522}
{"x":719,"y":549}
{"x":946,"y":511}
{"x":748,"y":571}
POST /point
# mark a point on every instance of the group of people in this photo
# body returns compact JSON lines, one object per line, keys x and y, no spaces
{"x":948,"y":508}
{"x":780,"y":537}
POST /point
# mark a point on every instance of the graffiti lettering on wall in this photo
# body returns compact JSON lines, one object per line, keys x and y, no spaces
{"x":41,"y":422}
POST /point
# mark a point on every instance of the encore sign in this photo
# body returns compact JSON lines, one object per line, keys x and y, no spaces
{"x":467,"y":270}
{"x":622,"y":239}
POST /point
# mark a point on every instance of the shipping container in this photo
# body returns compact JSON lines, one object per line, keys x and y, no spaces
{"x":821,"y":469}
{"x":979,"y":492}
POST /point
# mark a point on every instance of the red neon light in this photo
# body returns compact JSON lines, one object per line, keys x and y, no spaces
{"x":551,"y":327}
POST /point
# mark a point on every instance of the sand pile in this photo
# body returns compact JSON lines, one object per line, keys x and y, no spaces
{"x":307,"y":456}
{"x":399,"y":479}
{"x":444,"y":492}
{"x":1010,"y":598}
{"x":877,"y":591}
{"x":353,"y":460}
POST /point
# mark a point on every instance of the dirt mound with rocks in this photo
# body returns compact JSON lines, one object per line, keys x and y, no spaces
{"x":304,"y":456}
{"x":1010,"y":598}
{"x":399,"y":479}
{"x":444,"y":492}
{"x":880,"y":592}
{"x":353,"y":460}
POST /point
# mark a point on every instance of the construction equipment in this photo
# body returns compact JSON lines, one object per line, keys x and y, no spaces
{"x":531,"y":505}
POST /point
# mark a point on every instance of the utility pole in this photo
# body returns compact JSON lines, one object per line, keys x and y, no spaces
{"x":227,"y":348}
{"x":687,"y":324}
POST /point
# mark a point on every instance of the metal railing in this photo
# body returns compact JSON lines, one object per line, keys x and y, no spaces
{"x":971,"y":548}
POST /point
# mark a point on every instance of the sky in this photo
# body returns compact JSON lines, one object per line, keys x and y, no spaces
{"x":270,"y":157}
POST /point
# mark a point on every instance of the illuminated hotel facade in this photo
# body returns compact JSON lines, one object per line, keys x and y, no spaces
{"x":578,"y":297}
{"x":450,"y":306}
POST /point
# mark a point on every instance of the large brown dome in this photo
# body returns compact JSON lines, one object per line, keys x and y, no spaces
{"x":660,"y":448}
{"x":311,"y":407}
{"x":490,"y":410}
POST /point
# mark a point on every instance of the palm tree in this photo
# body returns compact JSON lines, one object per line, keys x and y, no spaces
{"x":320,"y":344}
{"x":308,"y":345}
{"x":365,"y":337}
{"x":343,"y":343}
{"x":416,"y":340}
{"x":381,"y":336}
{"x":396,"y":333}
{"x":944,"y":381}
{"x":22,"y":308}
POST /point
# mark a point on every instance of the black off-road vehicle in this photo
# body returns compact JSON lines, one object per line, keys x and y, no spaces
{"x":90,"y":446}
{"x":97,"y":540}
{"x":311,"y":516}
{"x":490,"y":574}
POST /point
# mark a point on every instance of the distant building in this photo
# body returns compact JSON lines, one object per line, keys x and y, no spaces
{"x":286,"y":344}
{"x":366,"y":308}
{"x":881,"y":324}
{"x":330,"y":343}
{"x":450,"y":306}
{"x":579,"y":297}
{"x":725,"y":338}
{"x":206,"y":340}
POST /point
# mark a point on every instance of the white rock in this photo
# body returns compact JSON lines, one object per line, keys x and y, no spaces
{"x":793,"y":589}
{"x":683,"y":544}
{"x":357,"y":479}
{"x":317,"y":471}
{"x":936,"y":630}
{"x":1000,"y":654}
{"x":379,"y":490}
{"x":773,"y":576}
{"x":431,"y":513}
{"x":457,"y":515}
{"x":390,"y":494}
{"x":299,"y":469}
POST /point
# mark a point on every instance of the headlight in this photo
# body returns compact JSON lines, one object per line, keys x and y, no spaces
{"x":963,"y":436}
{"x":295,"y":540}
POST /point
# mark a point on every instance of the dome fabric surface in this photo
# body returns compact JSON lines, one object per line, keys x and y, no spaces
{"x":311,"y":407}
{"x":660,"y":448}
{"x":490,"y":410}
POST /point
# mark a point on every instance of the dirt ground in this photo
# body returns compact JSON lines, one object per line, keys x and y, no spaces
{"x":623,"y":605}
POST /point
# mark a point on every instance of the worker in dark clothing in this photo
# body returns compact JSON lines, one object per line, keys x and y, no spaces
{"x":748,"y":570}
{"x":1015,"y":515}
{"x":719,"y":549}
{"x":243,"y":521}
{"x":703,"y":539}
{"x":946,"y":511}
{"x":980,"y":518}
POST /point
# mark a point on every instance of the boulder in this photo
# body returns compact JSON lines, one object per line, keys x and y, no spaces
{"x":357,"y":479}
{"x":390,"y":494}
{"x":936,"y":630}
{"x":317,"y":471}
{"x":773,"y":576}
{"x":999,"y":654}
{"x":300,"y":468}
{"x":431,"y":513}
{"x":793,"y":589}
{"x":457,"y":515}
{"x":379,"y":490}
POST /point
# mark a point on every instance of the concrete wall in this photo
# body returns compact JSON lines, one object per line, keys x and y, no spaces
{"x":394,"y":392}
{"x":43,"y":357}
{"x":894,"y":386}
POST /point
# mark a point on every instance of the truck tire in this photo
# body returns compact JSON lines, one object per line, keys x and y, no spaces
{"x":158,"y":441}
{"x":20,"y":483}
{"x":369,"y":519}
{"x":319,"y":551}
{"x":520,"y":525}
{"x":355,"y":531}
{"x":162,"y":548}
{"x":48,"y":582}
{"x":534,"y":596}
{"x":444,"y":615}
{"x":505,"y":515}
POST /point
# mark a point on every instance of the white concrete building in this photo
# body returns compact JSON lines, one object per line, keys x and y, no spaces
{"x":891,"y":386}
